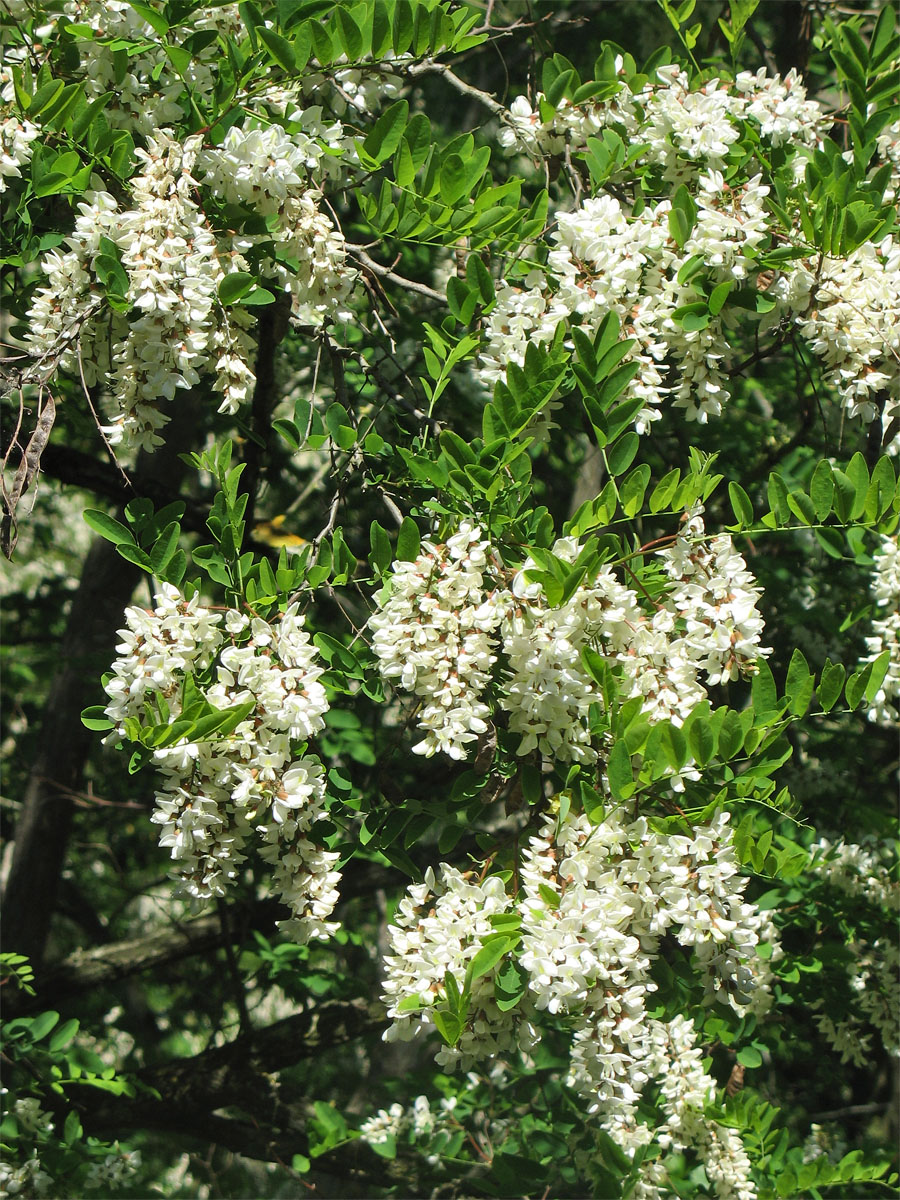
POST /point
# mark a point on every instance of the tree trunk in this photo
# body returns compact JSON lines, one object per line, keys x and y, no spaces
{"x":88,"y":646}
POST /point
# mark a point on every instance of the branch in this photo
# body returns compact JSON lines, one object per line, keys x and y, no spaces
{"x":103,"y":966}
{"x":192,"y":1092}
{"x":74,"y":467}
{"x":411,"y":285}
{"x":466,"y":89}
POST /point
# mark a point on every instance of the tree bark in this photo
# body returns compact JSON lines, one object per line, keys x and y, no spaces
{"x":88,"y":646}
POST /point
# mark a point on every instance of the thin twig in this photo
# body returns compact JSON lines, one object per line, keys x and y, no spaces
{"x":429,"y":67}
{"x":383,"y":272}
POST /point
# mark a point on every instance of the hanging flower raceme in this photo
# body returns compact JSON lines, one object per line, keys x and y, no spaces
{"x":671,"y":294}
{"x":223,"y":792}
{"x":449,"y":613}
{"x":434,"y":636}
{"x":438,"y":929}
{"x":168,"y":271}
{"x":885,"y":635}
{"x":596,"y":901}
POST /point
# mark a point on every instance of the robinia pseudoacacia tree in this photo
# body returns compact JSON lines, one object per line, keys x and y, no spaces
{"x":487,"y":415}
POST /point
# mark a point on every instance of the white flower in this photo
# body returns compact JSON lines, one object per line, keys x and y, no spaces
{"x":885,"y":589}
{"x":432,"y":635}
{"x":215,"y":790}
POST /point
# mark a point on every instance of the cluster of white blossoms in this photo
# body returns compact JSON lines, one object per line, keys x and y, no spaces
{"x":145,"y":95}
{"x":866,"y":869}
{"x":113,"y":1174}
{"x":595,"y":904}
{"x":175,"y":328}
{"x":219,"y":791}
{"x":604,"y":260}
{"x":873,"y":976}
{"x":16,"y":137}
{"x":419,"y":1119}
{"x":606,"y":257}
{"x":675,"y":129}
{"x":269,"y":170}
{"x":432,"y":636}
{"x":885,"y":635}
{"x":451,"y":612}
{"x":25,"y":1179}
{"x":848,"y":309}
{"x":438,"y":928}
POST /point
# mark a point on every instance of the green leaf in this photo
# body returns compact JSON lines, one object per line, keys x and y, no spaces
{"x":95,"y":718}
{"x":494,"y":947}
{"x":741,"y":504}
{"x":384,"y":136}
{"x":62,"y":1036}
{"x":350,"y":33}
{"x":235,"y":286}
{"x":821,"y":489}
{"x":279,"y":48}
{"x":618,"y":772}
{"x":749,"y":1056}
{"x":856,"y":686}
{"x":408,"y":541}
{"x":802,"y":507}
{"x":152,"y":16}
{"x":448,"y":1024}
{"x":879,"y":671}
{"x":620,"y":456}
{"x":42,"y":1024}
{"x":777,"y":495}
{"x":453,"y":179}
{"x":799,"y":685}
{"x":381,"y":554}
{"x":731,"y":735}
{"x":72,"y":1130}
{"x":510,"y":985}
{"x":763,"y":693}
{"x":108,"y":527}
{"x":830,"y":685}
{"x":402,"y":27}
{"x":135,"y":555}
{"x":165,"y":548}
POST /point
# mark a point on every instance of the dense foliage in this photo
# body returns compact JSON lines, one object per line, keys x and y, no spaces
{"x":452,"y":659}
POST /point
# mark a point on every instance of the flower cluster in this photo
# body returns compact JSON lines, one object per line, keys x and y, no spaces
{"x":176,"y":328}
{"x":168,"y":328}
{"x":439,"y":927}
{"x":848,"y":309}
{"x":449,"y":612}
{"x":606,"y":260}
{"x":219,"y":790}
{"x":144,"y":96}
{"x":25,"y":1179}
{"x":686,"y":1090}
{"x":113,"y":1174}
{"x":676,"y":130}
{"x":419,"y":1120}
{"x":605,"y":257}
{"x":15,"y":148}
{"x":866,"y":869}
{"x":268,"y":170}
{"x":885,"y":590}
{"x":595,"y":903}
{"x":873,"y":976}
{"x":432,"y":635}
{"x":715,"y":596}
